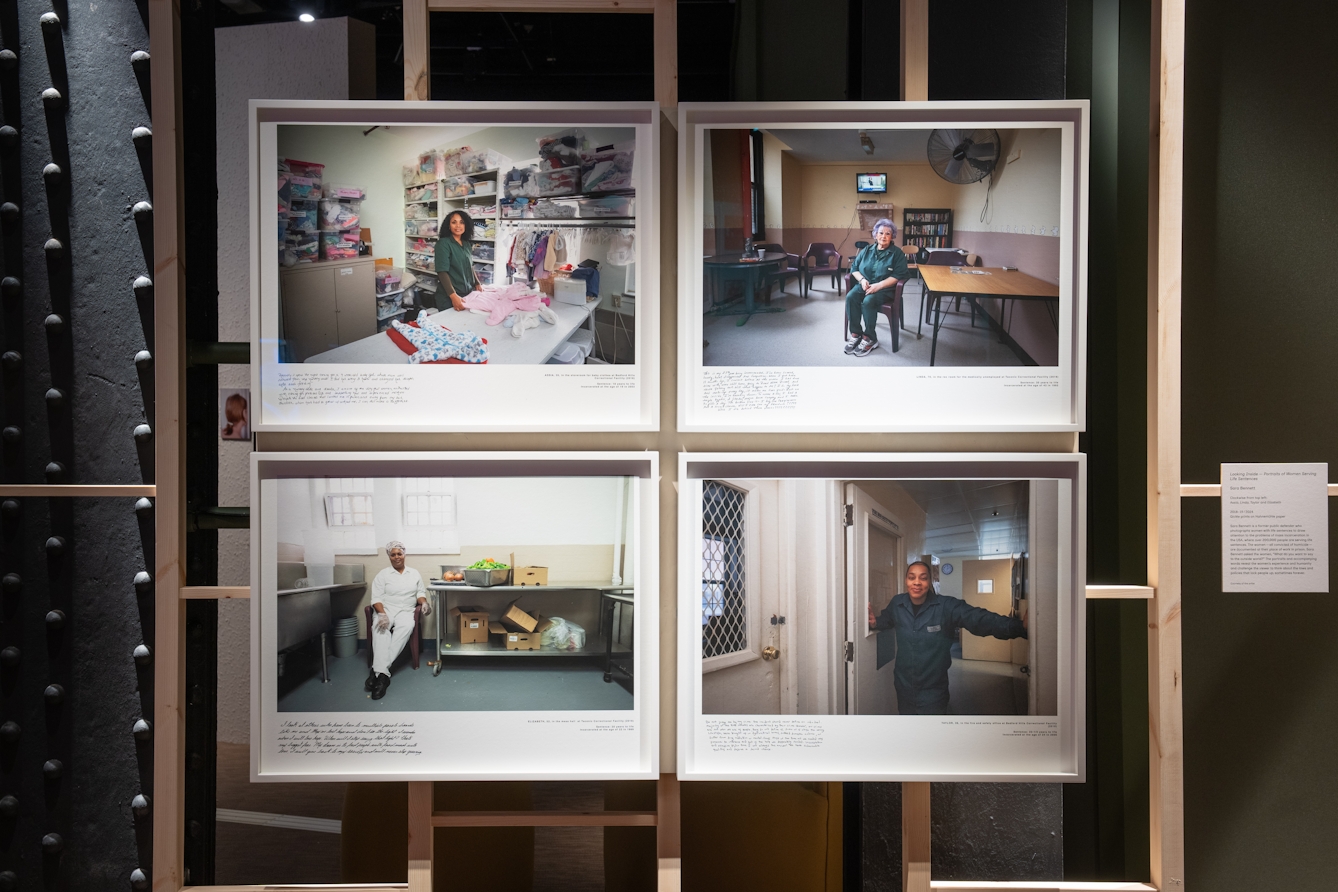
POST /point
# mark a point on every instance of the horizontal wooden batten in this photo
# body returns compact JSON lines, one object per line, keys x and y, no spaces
{"x":214,"y":592}
{"x":77,"y":490}
{"x":1214,"y":490}
{"x":550,"y":818}
{"x":1136,"y":592}
{"x":966,"y":886}
{"x":643,"y":6}
{"x":301,"y":887}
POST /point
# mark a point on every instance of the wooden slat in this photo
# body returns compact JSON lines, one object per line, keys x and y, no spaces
{"x":549,"y":818}
{"x":216,"y":592}
{"x":310,"y":887}
{"x":1214,"y":490}
{"x":641,"y":6}
{"x":417,"y":83}
{"x":169,"y":674}
{"x":915,"y":837}
{"x":669,"y":834}
{"x":1142,"y":592}
{"x":421,"y":822}
{"x":666,"y":53}
{"x":963,"y":886}
{"x":1165,"y":729}
{"x":914,"y":50}
{"x":76,"y":490}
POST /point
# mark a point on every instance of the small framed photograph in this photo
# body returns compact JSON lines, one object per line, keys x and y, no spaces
{"x":865,"y":266}
{"x":454,"y":266}
{"x":454,"y":616}
{"x":821,"y":635}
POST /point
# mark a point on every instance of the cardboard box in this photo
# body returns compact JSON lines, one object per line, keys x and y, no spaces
{"x":473,"y":624}
{"x":514,"y":639}
{"x":529,"y":576}
{"x":517,"y":620}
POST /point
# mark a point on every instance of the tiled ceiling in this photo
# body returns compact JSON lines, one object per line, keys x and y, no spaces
{"x":984,"y":517}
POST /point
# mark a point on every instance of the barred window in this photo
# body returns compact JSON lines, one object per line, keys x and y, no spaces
{"x":724,"y":584}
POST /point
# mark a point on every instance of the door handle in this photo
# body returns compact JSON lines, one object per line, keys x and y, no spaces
{"x":770,"y":653}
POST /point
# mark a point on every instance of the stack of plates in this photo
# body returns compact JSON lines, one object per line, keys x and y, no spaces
{"x":346,"y":636}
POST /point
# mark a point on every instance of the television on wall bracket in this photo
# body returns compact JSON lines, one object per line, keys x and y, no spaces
{"x":871,"y":182}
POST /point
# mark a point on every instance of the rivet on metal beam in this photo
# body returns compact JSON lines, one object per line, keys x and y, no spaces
{"x":52,"y":844}
{"x":140,"y":805}
{"x":52,"y":98}
{"x":55,"y":325}
{"x":55,"y":473}
{"x":142,"y":137}
{"x":139,"y":60}
{"x":9,"y":60}
{"x":143,"y":433}
{"x":143,"y":656}
{"x":142,"y":730}
{"x":50,"y":23}
{"x":9,"y":137}
{"x":12,"y":361}
{"x":144,"y":360}
{"x":143,"y":212}
{"x":55,"y":619}
{"x":139,"y":881}
{"x":143,"y":582}
{"x":10,"y":657}
{"x":9,"y":509}
{"x":55,"y":249}
{"x":55,"y":398}
{"x":143,"y":288}
{"x":12,"y":584}
{"x":52,"y":769}
{"x":9,"y":807}
{"x":143,"y":507}
{"x":52,"y":175}
{"x":55,"y":546}
{"x":12,"y":435}
{"x":10,"y":215}
{"x":54,"y":694}
{"x":10,"y":732}
{"x":11,"y":288}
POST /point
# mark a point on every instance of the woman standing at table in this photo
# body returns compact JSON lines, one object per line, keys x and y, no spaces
{"x":876,"y":268}
{"x":454,"y":261}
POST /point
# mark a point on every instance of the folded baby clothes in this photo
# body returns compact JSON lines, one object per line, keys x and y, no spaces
{"x":502,"y":301}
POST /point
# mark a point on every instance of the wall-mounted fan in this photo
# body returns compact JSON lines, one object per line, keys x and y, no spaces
{"x":963,"y":156}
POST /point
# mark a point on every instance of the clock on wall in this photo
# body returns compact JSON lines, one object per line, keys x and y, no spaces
{"x":947,"y":569}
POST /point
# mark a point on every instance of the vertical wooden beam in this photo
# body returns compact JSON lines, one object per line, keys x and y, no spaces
{"x":169,"y":412}
{"x":914,"y":50}
{"x":417,"y":83}
{"x":1164,"y":532}
{"x":420,"y":836}
{"x":915,"y":836}
{"x":666,"y":53}
{"x":668,"y":834}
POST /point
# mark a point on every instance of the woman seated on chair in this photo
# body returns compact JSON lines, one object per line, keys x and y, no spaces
{"x":396,"y":591}
{"x":876,"y":268}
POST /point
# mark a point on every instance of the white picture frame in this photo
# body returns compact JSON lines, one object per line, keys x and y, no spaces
{"x":611,"y":731}
{"x":380,"y":390}
{"x":833,"y":393}
{"x":820,"y":658}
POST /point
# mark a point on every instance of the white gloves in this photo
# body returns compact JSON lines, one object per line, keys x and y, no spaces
{"x":383,"y":622}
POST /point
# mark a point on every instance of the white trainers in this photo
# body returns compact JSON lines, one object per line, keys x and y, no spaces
{"x":865,"y":347}
{"x":852,"y":342}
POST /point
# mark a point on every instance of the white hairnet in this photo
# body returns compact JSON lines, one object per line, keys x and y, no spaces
{"x":395,"y":543}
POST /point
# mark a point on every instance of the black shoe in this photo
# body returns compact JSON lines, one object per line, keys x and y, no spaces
{"x":370,"y":682}
{"x":379,"y":689}
{"x":865,"y":347}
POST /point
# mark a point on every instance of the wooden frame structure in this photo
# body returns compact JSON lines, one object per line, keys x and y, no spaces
{"x":1164,"y":486}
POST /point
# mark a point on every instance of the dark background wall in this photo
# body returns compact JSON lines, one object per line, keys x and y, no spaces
{"x":71,"y":613}
{"x":1260,"y":670}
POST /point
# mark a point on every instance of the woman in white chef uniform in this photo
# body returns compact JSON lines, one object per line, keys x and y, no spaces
{"x":395,"y":592}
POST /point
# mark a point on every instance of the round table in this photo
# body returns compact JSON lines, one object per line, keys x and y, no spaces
{"x":754,"y":272}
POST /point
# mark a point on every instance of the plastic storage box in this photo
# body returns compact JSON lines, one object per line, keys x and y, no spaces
{"x":481,"y":160}
{"x":339,"y":245}
{"x":304,"y":217}
{"x":420,"y":246}
{"x":562,"y":181}
{"x":609,"y":168}
{"x":426,"y":192}
{"x":349,"y":193}
{"x":340,"y":214}
{"x":301,"y":247}
{"x":608,"y":206}
{"x":303,"y":188}
{"x":305,"y":169}
{"x":456,"y":187}
{"x":421,"y":228}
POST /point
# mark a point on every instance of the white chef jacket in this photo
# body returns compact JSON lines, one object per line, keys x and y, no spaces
{"x":398,"y":591}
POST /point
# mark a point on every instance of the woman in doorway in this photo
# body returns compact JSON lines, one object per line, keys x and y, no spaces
{"x":876,"y":268}
{"x":454,"y":261}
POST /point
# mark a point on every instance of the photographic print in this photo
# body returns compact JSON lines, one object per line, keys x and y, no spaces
{"x":400,"y":253}
{"x":463,"y":617}
{"x":834,"y":252}
{"x":860,"y":617}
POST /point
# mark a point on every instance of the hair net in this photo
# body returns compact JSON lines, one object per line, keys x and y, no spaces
{"x":395,"y":543}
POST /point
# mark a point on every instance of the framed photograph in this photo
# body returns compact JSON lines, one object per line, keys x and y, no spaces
{"x":454,"y":616}
{"x":869,"y":266}
{"x":821,"y":635}
{"x":453,"y":266}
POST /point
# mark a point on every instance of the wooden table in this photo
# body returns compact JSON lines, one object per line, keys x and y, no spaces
{"x":755,"y":274}
{"x":974,"y":283}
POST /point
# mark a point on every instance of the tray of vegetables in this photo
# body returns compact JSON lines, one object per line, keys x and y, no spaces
{"x":488,"y":572}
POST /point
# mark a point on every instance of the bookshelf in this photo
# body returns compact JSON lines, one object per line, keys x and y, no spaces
{"x":927,"y":227}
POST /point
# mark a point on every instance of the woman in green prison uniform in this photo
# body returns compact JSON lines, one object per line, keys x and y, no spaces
{"x":453,"y":260}
{"x":876,"y":268}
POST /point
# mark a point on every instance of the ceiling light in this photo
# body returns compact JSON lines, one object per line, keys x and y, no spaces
{"x":865,"y":143}
{"x":306,"y":17}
